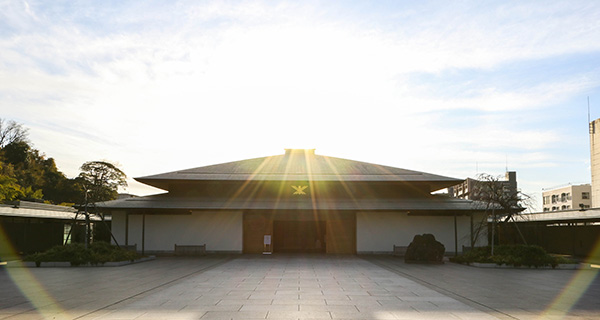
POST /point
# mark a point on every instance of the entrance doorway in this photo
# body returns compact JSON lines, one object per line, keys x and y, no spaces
{"x":299,"y":236}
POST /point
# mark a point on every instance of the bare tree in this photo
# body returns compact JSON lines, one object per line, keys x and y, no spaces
{"x":11,"y":131}
{"x":500,"y":201}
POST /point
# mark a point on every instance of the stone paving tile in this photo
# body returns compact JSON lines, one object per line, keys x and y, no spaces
{"x":248,"y":302}
{"x":383,"y":315}
{"x":270,"y":308}
{"x":207,"y":301}
{"x":29,"y":316}
{"x":234,"y":315}
{"x":299,"y":301}
{"x":299,"y":315}
{"x":475,"y":315}
{"x":310,"y":296}
{"x":171,"y":316}
{"x":348,"y":302}
{"x":230,"y":307}
{"x":117,"y":315}
{"x":335,"y":308}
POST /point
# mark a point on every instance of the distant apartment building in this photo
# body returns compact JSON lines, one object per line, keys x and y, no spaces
{"x":471,"y":188}
{"x":568,"y":198}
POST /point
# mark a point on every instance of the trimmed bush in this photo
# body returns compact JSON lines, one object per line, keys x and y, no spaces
{"x":512,"y":255}
{"x":424,"y":248}
{"x":77,"y":254}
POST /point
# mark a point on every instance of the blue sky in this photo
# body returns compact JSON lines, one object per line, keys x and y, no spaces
{"x":452,"y":88}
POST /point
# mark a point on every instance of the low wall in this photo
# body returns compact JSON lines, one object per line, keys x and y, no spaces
{"x":580,"y":241}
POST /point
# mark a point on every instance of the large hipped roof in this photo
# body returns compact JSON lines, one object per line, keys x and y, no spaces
{"x":296,"y":165}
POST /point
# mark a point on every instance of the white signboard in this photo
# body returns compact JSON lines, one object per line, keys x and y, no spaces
{"x":267,"y":239}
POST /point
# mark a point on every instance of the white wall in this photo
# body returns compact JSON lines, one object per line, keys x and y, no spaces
{"x":219,"y":230}
{"x":378,"y":232}
{"x":118,"y":226}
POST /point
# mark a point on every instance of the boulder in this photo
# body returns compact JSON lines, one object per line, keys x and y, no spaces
{"x":424,"y":248}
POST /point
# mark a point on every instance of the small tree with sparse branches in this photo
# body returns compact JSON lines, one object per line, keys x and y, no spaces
{"x":101,"y":181}
{"x":500,"y":202}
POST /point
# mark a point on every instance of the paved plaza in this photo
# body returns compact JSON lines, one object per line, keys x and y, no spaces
{"x":296,"y":287}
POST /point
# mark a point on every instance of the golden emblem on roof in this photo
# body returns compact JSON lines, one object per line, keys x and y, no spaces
{"x":299,"y":189}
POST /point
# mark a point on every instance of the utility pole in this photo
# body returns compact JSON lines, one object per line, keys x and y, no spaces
{"x":493,"y":228}
{"x":87,"y":221}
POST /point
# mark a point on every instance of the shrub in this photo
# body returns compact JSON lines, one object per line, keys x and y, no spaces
{"x":479,"y":254}
{"x":77,"y":254}
{"x":424,"y":248}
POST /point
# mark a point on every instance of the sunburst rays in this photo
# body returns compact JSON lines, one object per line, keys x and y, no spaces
{"x":28,"y":284}
{"x":574,"y":290}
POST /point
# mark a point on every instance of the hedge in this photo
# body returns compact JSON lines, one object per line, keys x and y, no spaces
{"x":77,"y":254}
{"x":512,"y":255}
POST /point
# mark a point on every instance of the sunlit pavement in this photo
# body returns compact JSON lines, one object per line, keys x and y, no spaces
{"x":509,"y":293}
{"x":294,"y":287}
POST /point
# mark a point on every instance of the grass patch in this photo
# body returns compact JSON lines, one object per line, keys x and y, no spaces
{"x":513,"y":255}
{"x":77,"y":254}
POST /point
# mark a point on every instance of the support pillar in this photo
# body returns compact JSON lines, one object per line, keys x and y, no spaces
{"x":472,"y":236}
{"x":455,"y":236}
{"x":143,"y":232}
{"x":127,"y":229}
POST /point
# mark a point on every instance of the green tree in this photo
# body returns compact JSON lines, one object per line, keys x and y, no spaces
{"x":14,"y":147}
{"x":9,"y":189}
{"x":101,"y":180}
{"x":57,"y":187}
{"x":25,"y":164}
{"x":27,"y":174}
{"x":16,"y":153}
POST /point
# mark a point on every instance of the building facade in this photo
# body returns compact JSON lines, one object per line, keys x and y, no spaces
{"x":298,"y":202}
{"x":567,"y":198}
{"x":30,"y":227}
{"x":595,"y":161}
{"x":474,"y":189}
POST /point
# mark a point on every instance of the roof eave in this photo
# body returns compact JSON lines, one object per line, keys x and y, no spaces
{"x":164,"y":183}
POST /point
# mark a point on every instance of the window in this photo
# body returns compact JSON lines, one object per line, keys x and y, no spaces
{"x":66,"y":231}
{"x":585,"y":195}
